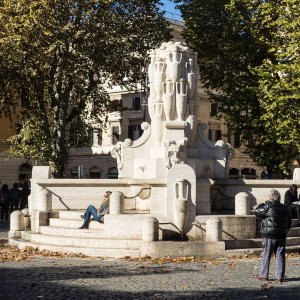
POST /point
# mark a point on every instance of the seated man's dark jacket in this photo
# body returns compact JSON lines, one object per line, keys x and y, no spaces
{"x":289,"y":198}
{"x":276,"y":219}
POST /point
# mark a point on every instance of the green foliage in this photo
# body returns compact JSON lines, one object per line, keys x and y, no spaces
{"x":249,"y":61}
{"x":57,"y":59}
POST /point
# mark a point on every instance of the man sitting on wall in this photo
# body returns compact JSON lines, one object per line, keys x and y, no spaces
{"x":97,"y":215}
{"x":289,"y":198}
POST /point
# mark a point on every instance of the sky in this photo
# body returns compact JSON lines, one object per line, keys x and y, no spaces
{"x":169,"y":7}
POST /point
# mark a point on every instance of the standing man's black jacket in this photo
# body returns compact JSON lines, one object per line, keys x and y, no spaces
{"x":276,"y":219}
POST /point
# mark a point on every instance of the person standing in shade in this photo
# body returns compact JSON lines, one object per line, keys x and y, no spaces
{"x":4,"y":202}
{"x":14,"y":197}
{"x":97,"y":215}
{"x":290,"y":197}
{"x":24,"y":193}
{"x":276,"y":222}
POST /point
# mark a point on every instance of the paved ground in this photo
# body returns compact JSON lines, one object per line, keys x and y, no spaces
{"x":87,"y":278}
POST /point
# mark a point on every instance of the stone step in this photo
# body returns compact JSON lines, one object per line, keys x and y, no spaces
{"x":73,"y":223}
{"x":294,"y":232}
{"x":75,"y":214}
{"x":93,"y":252}
{"x":73,"y":232}
{"x":79,"y":241}
{"x":70,"y":214}
{"x":255,"y":251}
{"x":256,"y":243}
{"x":295,"y":223}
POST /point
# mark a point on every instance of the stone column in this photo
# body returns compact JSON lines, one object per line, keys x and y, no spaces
{"x":40,"y":217}
{"x":150,"y":229}
{"x":116,"y":203}
{"x":242,"y":204}
{"x":44,"y":203}
{"x":213,"y":229}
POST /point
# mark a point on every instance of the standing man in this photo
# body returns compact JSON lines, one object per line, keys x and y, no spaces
{"x":14,"y":197}
{"x":24,"y":193}
{"x":276,"y":222}
{"x":289,"y":198}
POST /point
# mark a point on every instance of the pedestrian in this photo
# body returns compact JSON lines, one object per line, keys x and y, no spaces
{"x":276,"y":222}
{"x":4,"y":202}
{"x":290,"y":197}
{"x":24,"y":193}
{"x":14,"y":196}
{"x":97,"y":215}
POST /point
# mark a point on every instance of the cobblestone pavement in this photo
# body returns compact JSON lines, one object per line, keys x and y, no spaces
{"x":94,"y":278}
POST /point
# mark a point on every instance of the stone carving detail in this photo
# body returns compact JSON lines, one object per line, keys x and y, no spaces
{"x":173,"y":99}
{"x":116,"y":153}
{"x":128,"y":142}
{"x":181,"y":204}
{"x":175,"y":153}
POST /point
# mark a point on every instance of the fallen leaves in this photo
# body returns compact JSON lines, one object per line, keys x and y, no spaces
{"x":266,"y":286}
{"x":10,"y":253}
{"x":179,"y":260}
{"x":295,"y":253}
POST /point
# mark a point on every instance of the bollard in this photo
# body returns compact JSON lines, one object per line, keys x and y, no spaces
{"x":150,"y":229}
{"x":25,"y":212}
{"x":213,"y":229}
{"x":44,"y":204}
{"x":116,"y":203}
{"x":16,"y":221}
{"x":242,"y":204}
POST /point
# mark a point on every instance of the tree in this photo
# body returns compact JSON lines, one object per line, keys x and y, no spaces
{"x":59,"y":56}
{"x":249,"y":61}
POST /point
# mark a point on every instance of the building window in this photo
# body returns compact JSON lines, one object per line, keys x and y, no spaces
{"x":215,"y":134}
{"x":213,"y":109}
{"x":74,"y":173}
{"x":25,"y":171}
{"x":134,"y":131}
{"x":115,"y":105}
{"x":95,"y":173}
{"x":233,"y":173}
{"x":77,"y":172}
{"x":136,"y":103}
{"x":112,"y":173}
{"x":237,"y":140}
{"x":115,"y":133}
{"x":248,"y":173}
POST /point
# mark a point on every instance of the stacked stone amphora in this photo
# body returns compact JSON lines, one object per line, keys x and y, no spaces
{"x":173,"y":78}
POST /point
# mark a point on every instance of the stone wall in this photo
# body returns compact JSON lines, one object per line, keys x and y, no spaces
{"x":258,"y":190}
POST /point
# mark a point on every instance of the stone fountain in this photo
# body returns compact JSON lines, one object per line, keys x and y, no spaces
{"x":174,"y":146}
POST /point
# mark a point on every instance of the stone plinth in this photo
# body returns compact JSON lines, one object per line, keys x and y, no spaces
{"x":213,"y":229}
{"x":150,"y":229}
{"x":242,"y":204}
{"x":16,"y":223}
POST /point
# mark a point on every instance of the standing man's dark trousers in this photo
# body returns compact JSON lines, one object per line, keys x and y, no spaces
{"x":271,"y":246}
